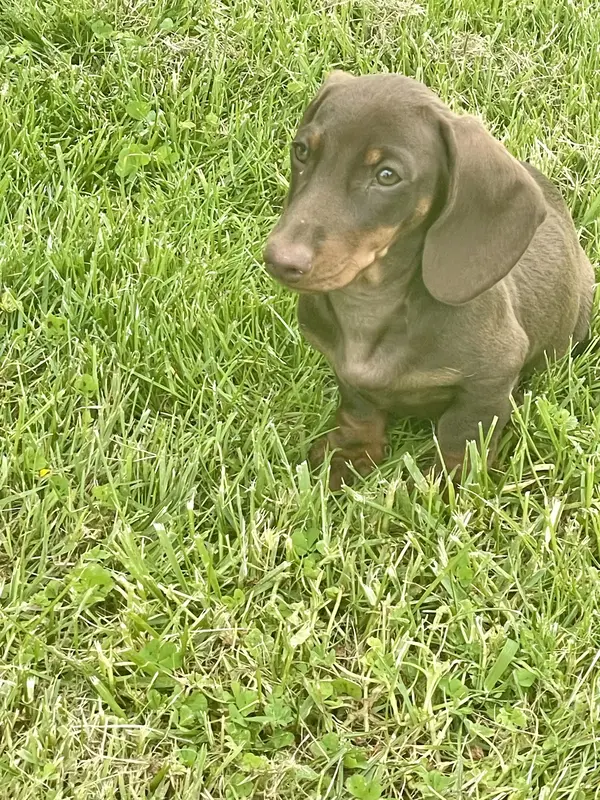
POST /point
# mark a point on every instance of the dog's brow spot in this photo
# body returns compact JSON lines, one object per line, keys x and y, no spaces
{"x":372,"y":156}
{"x":314,"y":140}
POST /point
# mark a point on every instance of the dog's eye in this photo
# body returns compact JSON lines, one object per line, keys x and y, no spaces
{"x":300,"y":151}
{"x":387,"y":177}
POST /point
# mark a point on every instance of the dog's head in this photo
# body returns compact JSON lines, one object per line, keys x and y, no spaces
{"x":376,"y":159}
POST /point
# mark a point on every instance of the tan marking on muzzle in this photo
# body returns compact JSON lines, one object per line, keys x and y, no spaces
{"x":423,"y":208}
{"x":376,"y":245}
{"x":341,"y":260}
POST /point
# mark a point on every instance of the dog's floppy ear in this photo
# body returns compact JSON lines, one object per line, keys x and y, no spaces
{"x":337,"y":76}
{"x":333,"y":79}
{"x":493,"y":208}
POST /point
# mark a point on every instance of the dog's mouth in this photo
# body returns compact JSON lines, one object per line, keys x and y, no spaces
{"x":330,"y":282}
{"x":335,"y":269}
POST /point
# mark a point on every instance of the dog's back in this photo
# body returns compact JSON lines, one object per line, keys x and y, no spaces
{"x":570,"y":276}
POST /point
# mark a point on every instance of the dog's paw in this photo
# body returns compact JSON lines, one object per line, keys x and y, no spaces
{"x":345,"y":462}
{"x":318,"y":451}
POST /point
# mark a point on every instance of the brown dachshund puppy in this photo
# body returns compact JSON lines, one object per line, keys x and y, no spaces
{"x":434,"y":269}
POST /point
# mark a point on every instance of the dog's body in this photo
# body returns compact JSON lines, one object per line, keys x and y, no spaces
{"x":432,"y":287}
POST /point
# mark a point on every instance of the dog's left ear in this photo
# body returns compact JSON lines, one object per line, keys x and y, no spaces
{"x":493,"y":208}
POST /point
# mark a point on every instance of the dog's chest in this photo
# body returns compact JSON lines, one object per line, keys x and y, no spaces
{"x":370,"y":347}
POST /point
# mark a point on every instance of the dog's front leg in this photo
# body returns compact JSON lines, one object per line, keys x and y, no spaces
{"x":460,"y":423}
{"x":358,"y":439}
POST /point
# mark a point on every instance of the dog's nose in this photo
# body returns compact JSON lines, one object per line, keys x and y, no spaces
{"x":288,"y":262}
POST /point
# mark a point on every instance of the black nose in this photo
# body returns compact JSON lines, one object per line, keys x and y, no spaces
{"x":288,"y":261}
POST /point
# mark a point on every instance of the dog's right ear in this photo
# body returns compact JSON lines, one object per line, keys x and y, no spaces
{"x":332,"y":80}
{"x":337,"y":76}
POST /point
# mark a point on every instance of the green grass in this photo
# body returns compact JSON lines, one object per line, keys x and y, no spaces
{"x":185,"y":612}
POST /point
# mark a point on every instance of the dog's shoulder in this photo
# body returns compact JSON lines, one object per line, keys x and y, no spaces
{"x":551,"y":192}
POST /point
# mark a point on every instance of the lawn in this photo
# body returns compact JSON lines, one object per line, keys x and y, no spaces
{"x":186,"y":611}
